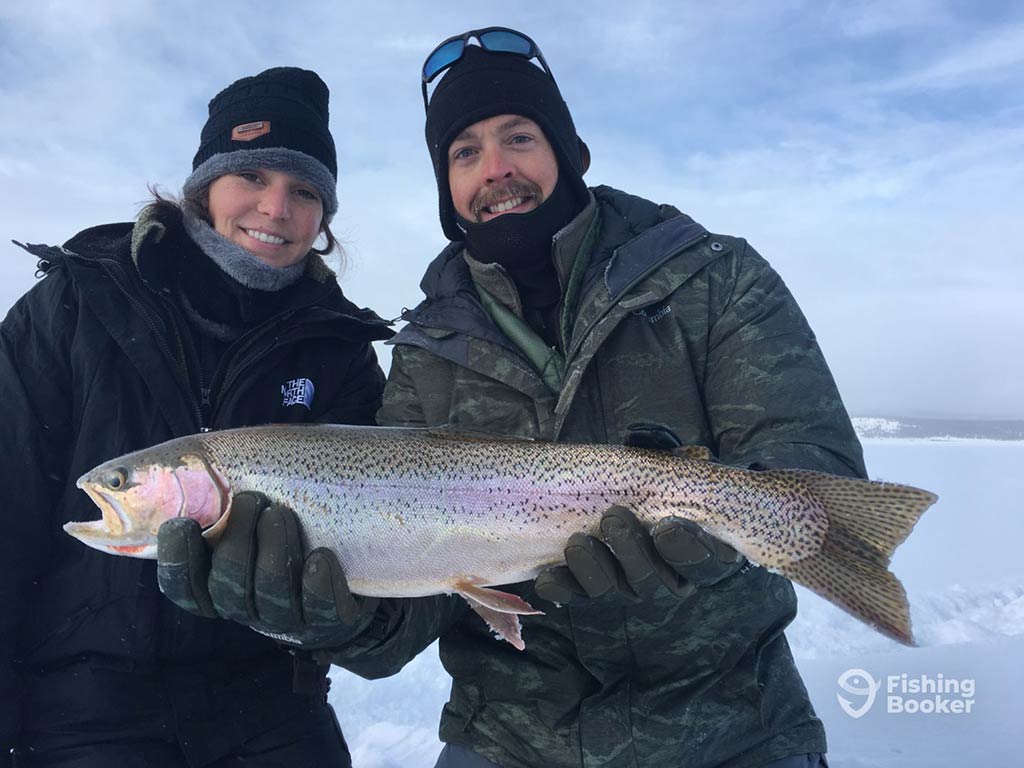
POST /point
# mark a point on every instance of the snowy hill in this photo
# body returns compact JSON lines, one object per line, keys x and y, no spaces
{"x":938,"y":429}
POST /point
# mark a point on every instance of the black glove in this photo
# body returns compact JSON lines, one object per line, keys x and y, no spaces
{"x":631,"y":562}
{"x":258,"y":575}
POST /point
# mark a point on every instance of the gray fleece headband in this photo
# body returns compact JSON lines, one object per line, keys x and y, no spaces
{"x":289,"y":161}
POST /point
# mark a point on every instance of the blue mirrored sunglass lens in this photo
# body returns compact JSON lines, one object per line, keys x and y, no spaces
{"x":506,"y":41}
{"x":443,"y":57}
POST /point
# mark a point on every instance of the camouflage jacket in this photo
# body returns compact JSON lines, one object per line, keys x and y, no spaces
{"x":662,"y":322}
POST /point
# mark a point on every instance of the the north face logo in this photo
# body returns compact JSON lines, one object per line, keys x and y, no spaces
{"x":298,"y":392}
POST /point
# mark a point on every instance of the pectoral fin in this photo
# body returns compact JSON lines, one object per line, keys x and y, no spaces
{"x":499,"y":609}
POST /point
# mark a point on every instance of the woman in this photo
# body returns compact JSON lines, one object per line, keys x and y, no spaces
{"x":210,"y":313}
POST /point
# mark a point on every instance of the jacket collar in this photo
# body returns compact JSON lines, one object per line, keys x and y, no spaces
{"x":636,"y":237}
{"x":157,"y":221}
{"x":143,"y":251}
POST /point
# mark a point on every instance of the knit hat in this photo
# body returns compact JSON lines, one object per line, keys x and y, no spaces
{"x":275,"y":120}
{"x":483,"y":84}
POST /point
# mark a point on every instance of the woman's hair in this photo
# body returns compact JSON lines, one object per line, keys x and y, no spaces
{"x":197,"y":204}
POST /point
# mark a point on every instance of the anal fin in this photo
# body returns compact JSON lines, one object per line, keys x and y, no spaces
{"x":501,"y":610}
{"x":505,"y":625}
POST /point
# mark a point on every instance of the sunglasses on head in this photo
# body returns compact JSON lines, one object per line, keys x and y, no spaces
{"x":493,"y":39}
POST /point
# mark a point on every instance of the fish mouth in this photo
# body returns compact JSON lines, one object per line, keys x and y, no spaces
{"x":113,"y":532}
{"x":95,"y":534}
{"x":114,"y":518}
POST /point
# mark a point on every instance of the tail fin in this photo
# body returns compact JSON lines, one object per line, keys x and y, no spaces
{"x":867,"y":521}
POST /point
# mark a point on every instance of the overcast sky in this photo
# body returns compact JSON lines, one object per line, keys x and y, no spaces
{"x":873,"y":152}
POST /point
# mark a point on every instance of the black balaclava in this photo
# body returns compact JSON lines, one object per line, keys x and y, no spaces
{"x":521,"y":242}
{"x":483,"y":84}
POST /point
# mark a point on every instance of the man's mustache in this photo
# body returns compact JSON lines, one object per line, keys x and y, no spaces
{"x":494,"y":195}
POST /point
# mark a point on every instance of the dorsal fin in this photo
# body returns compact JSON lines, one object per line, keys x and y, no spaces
{"x":694,"y":452}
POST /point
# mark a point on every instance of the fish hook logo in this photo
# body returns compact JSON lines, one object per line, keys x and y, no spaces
{"x":861,"y":683}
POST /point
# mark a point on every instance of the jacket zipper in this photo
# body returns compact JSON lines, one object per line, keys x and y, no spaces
{"x":203,"y":406}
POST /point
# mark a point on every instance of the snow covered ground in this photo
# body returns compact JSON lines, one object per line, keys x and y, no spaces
{"x":965,"y":579}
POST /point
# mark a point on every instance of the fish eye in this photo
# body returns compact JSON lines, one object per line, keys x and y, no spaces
{"x":115,"y":479}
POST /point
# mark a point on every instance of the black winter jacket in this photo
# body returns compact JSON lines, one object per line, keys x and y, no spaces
{"x":93,"y":364}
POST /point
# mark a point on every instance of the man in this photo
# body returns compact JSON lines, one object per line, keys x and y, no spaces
{"x":565,"y":313}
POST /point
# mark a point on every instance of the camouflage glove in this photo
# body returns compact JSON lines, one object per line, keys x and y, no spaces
{"x":258,"y":575}
{"x":630,"y":562}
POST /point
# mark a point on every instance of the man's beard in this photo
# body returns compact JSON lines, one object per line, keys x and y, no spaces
{"x":521,"y":242}
{"x":506,"y":191}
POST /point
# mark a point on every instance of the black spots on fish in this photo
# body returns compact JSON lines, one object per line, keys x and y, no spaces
{"x":774,"y":518}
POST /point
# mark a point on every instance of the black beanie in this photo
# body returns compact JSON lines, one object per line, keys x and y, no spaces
{"x":483,"y":84}
{"x":277,"y":119}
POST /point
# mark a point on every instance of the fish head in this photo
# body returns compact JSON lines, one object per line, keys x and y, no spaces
{"x":137,"y":493}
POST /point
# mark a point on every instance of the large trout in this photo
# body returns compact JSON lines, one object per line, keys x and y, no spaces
{"x":418,"y":512}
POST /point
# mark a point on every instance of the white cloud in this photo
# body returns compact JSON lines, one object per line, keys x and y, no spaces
{"x":993,"y":57}
{"x":874,"y":18}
